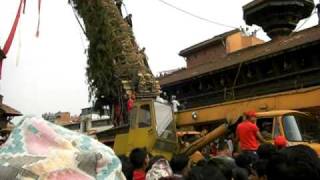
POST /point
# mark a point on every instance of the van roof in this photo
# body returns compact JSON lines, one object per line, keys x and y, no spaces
{"x":277,"y":113}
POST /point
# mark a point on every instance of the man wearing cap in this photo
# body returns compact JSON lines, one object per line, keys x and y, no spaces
{"x":280,"y":142}
{"x":248,"y":133}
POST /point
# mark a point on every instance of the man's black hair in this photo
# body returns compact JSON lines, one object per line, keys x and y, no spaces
{"x":261,"y":167}
{"x":137,"y":157}
{"x":265,"y":151}
{"x":202,"y":162}
{"x":212,"y":172}
{"x":179,"y":162}
{"x":224,"y":167}
{"x":194,"y":173}
{"x":294,"y":163}
{"x":223,"y":145}
{"x":127,"y":167}
{"x":205,"y":172}
{"x":244,"y":160}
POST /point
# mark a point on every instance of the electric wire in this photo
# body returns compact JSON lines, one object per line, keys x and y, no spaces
{"x":81,"y":26}
{"x":125,"y":8}
{"x":196,"y":16}
{"x":77,"y":18}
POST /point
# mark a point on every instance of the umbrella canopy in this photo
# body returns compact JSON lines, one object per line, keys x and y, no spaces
{"x":38,"y":149}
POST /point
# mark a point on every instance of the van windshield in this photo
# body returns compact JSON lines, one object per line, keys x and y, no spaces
{"x":166,"y":129}
{"x":299,"y":127}
{"x":164,"y":118}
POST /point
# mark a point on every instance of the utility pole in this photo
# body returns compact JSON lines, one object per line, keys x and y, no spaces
{"x":318,"y":11}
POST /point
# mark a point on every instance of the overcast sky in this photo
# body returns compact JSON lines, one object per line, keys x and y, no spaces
{"x":47,"y":74}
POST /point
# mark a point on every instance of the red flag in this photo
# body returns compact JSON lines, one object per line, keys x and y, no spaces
{"x":9,"y":40}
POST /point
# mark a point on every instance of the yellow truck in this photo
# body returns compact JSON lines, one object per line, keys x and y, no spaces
{"x":153,"y":124}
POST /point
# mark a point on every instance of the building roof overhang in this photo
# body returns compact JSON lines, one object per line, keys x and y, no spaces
{"x":206,"y":43}
{"x":269,"y":49}
{"x":9,"y":111}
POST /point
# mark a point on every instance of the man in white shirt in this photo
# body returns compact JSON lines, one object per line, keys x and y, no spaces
{"x":175,"y":104}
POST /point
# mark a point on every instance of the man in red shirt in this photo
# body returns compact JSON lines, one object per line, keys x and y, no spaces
{"x":130,"y":102}
{"x":248,"y":133}
{"x":139,"y":159}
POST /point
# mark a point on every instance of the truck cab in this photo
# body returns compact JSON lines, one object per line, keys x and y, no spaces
{"x":152,"y":125}
{"x":297,"y":127}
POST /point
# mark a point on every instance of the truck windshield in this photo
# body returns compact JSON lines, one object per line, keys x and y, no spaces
{"x":164,"y":118}
{"x":301,"y":128}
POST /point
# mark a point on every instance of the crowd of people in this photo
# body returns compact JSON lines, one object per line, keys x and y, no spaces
{"x":267,"y":163}
{"x":254,"y":159}
{"x":297,"y":162}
